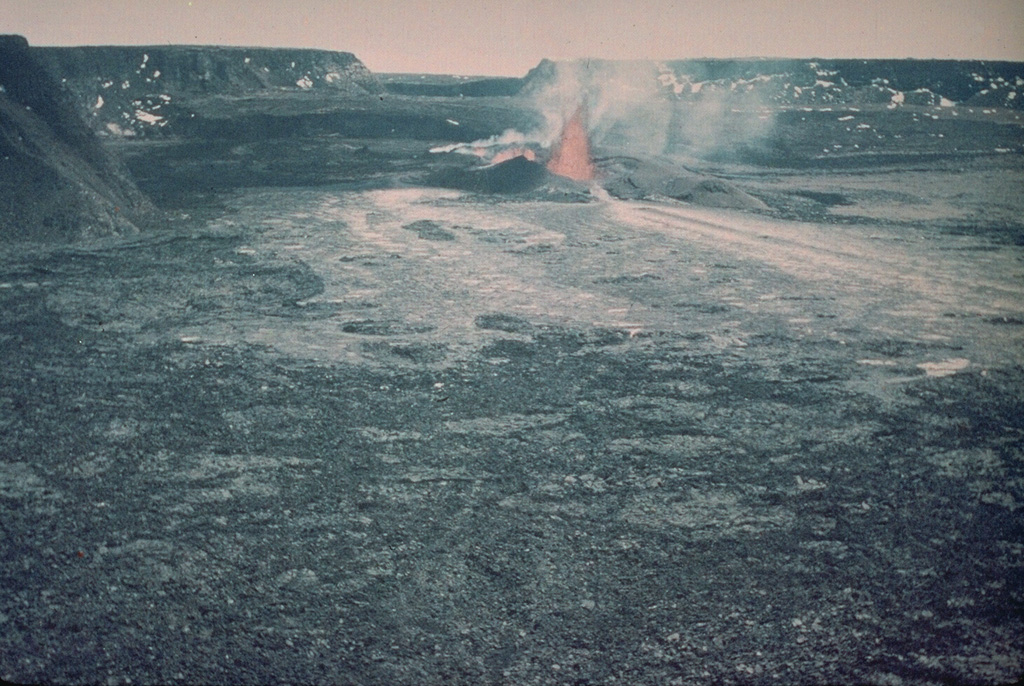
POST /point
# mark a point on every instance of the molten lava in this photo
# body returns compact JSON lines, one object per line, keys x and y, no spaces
{"x":571,"y":155}
{"x":509,"y":153}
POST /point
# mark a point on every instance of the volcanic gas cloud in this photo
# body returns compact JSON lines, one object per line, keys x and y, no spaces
{"x":571,"y":154}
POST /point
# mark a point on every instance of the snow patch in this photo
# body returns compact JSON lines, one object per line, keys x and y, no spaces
{"x":667,"y":78}
{"x":147,"y":117}
{"x":305,"y":82}
{"x":118,"y":131}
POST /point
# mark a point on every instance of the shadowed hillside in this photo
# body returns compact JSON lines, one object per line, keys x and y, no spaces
{"x":56,"y":181}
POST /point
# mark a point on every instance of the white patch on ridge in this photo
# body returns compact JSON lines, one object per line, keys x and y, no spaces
{"x":305,"y":82}
{"x":118,"y":131}
{"x":147,"y":117}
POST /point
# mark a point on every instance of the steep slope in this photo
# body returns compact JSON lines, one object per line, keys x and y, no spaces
{"x":56,"y":182}
{"x":137,"y":90}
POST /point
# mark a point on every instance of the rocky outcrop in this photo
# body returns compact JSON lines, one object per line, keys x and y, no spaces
{"x":56,"y":181}
{"x":140,"y":90}
{"x":630,"y":178}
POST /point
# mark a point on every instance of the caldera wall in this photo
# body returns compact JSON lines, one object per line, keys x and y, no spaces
{"x":137,"y":90}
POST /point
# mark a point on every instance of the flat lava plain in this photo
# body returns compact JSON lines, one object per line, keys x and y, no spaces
{"x":336,"y":425}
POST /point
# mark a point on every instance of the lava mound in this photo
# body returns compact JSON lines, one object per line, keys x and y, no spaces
{"x":517,"y":175}
{"x":631,"y":178}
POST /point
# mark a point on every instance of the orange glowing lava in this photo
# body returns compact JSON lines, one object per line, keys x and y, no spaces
{"x":571,"y":155}
{"x":509,"y":153}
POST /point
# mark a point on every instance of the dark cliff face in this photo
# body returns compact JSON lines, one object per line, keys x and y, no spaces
{"x":145,"y":90}
{"x":56,"y":181}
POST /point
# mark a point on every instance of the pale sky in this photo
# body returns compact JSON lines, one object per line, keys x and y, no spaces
{"x":508,"y":37}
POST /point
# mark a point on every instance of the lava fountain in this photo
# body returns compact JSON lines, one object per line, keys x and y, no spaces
{"x":571,"y":154}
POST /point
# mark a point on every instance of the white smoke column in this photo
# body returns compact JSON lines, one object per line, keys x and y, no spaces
{"x":641,"y":108}
{"x":646,"y":108}
{"x":713,"y":114}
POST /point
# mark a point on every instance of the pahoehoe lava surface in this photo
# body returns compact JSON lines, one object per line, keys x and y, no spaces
{"x":340,"y":423}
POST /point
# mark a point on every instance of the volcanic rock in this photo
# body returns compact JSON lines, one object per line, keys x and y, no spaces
{"x":517,"y":175}
{"x":56,"y":182}
{"x":630,"y":178}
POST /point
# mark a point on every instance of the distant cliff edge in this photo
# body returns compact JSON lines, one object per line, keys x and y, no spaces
{"x":795,"y":82}
{"x":57,"y":183}
{"x":141,"y":90}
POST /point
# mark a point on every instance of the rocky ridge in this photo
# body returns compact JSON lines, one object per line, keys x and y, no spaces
{"x":795,"y":82}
